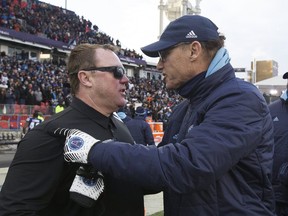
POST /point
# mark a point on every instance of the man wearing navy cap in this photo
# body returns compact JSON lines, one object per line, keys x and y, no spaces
{"x":217,"y":152}
{"x":279,"y":113}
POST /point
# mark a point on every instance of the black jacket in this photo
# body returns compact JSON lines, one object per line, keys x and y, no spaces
{"x":39,"y":179}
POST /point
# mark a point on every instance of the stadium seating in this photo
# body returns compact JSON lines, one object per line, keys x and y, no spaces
{"x":5,"y":117}
{"x":4,"y":125}
{"x":14,"y":125}
{"x":23,"y":117}
{"x":14,"y":118}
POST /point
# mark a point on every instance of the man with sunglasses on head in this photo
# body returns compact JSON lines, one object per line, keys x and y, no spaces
{"x":41,"y":182}
{"x":216,"y":154}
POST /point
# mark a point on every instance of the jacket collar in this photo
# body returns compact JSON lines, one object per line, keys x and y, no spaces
{"x":199,"y":86}
{"x":91,"y":113}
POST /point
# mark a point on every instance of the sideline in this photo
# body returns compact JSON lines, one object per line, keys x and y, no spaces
{"x":4,"y":170}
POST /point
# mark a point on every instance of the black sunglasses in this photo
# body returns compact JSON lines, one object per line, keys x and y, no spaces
{"x":118,"y":72}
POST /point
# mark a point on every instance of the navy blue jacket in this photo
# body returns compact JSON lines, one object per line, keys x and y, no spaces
{"x":279,"y":113}
{"x":216,"y":155}
{"x":140,"y":130}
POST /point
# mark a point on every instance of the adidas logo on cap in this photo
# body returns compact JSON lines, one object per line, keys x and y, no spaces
{"x":191,"y":34}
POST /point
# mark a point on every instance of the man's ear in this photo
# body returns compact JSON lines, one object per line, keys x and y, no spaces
{"x":195,"y":48}
{"x":85,"y":78}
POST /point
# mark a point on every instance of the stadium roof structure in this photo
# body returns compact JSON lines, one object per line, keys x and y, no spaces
{"x":46,"y":43}
{"x":35,"y":40}
{"x":274,"y":81}
{"x":270,"y":85}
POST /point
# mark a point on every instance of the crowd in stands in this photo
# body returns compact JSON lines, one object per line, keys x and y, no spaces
{"x":56,"y":23}
{"x":29,"y":82}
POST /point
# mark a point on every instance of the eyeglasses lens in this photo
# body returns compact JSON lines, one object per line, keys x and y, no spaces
{"x":118,"y":72}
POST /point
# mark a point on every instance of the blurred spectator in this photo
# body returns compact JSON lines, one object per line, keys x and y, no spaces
{"x":31,"y":122}
{"x":138,"y":127}
{"x":38,"y":96}
{"x":10,"y":100}
{"x":2,"y":99}
{"x":40,"y":116}
{"x":60,"y":106}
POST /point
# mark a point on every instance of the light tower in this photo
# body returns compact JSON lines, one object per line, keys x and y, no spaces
{"x":176,"y":8}
{"x":162,"y":7}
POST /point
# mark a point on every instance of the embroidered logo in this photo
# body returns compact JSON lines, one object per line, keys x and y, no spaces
{"x":75,"y":143}
{"x":191,"y":34}
{"x":276,"y":119}
{"x":89,"y":181}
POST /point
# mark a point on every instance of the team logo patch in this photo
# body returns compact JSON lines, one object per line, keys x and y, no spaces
{"x":75,"y":143}
{"x":89,"y":182}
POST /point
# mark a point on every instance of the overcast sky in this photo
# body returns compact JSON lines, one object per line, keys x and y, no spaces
{"x":255,"y":29}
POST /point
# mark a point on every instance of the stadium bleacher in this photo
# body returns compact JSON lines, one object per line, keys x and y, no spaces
{"x":54,"y":31}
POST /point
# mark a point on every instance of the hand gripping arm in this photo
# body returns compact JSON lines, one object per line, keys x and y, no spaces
{"x":77,"y":144}
{"x":88,"y":183}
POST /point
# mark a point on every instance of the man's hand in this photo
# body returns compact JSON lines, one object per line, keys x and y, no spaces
{"x":87,"y":186}
{"x":88,"y":183}
{"x":77,"y":144}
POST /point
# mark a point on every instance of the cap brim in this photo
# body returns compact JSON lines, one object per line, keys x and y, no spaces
{"x":285,"y":76}
{"x":152,"y":50}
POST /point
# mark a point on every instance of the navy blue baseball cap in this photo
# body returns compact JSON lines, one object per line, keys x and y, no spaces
{"x":140,"y":111}
{"x":285,"y":76}
{"x":184,"y":29}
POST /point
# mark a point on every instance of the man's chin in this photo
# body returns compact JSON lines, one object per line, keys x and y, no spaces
{"x":122,"y":103}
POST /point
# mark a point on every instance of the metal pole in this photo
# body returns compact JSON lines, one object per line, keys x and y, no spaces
{"x":65,"y":4}
{"x":254,"y":71}
{"x":184,"y":7}
{"x":162,"y":7}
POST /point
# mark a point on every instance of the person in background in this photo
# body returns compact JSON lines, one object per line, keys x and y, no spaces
{"x":31,"y":122}
{"x":40,"y":116}
{"x":138,"y":127}
{"x":279,"y":113}
{"x":2,"y":99}
{"x":40,"y":182}
{"x":216,"y":155}
{"x":60,"y":106}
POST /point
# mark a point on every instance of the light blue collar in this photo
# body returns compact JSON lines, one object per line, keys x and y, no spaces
{"x":220,"y":60}
{"x":284,"y":95}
